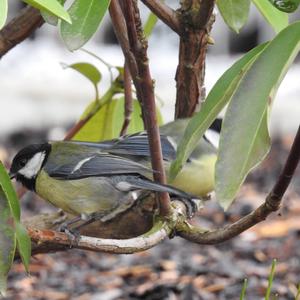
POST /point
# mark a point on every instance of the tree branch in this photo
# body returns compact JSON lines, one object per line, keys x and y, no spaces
{"x":196,"y":21}
{"x":128,"y":100}
{"x":58,"y":240}
{"x":164,"y":13}
{"x":119,"y":237}
{"x":19,"y":28}
{"x":271,"y":204}
{"x":134,"y":47}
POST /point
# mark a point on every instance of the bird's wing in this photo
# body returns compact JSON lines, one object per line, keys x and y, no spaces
{"x":135,"y":144}
{"x":94,"y":165}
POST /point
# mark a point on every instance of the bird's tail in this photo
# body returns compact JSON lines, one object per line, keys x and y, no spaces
{"x":191,"y":202}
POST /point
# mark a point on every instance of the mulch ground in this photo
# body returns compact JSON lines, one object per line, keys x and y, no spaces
{"x":177,"y":269}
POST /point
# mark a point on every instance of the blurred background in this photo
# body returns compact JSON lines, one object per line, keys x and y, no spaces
{"x":36,"y":92}
{"x":40,"y":100}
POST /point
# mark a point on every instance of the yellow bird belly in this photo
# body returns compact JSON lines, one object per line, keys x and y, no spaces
{"x":76,"y":197}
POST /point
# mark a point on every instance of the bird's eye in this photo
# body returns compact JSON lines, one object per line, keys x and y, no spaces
{"x":23,"y":162}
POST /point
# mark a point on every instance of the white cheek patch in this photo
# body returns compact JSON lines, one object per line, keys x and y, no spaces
{"x":33,"y":166}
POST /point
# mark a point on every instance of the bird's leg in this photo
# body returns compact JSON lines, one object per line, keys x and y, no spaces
{"x":65,"y":225}
{"x":73,"y":233}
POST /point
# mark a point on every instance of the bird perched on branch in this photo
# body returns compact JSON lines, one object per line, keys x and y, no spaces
{"x":102,"y":180}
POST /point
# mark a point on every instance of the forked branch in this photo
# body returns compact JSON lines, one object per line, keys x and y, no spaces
{"x":164,"y":13}
{"x":271,"y":204}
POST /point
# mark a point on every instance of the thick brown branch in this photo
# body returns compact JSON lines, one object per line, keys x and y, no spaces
{"x":60,"y":240}
{"x":134,"y":47}
{"x":195,"y":21}
{"x":19,"y":29}
{"x":110,"y":237}
{"x":164,"y":13}
{"x":271,"y":204}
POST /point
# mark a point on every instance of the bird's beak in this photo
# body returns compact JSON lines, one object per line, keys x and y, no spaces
{"x":12,"y":175}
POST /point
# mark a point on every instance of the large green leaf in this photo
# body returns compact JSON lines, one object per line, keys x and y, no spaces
{"x":3,"y":12}
{"x":244,"y":138}
{"x":51,"y":18}
{"x":218,"y":97}
{"x":277,"y":19}
{"x":10,"y":193}
{"x":51,"y":6}
{"x":234,"y":12}
{"x":23,"y":244}
{"x":106,"y":124}
{"x":7,"y":240}
{"x":86,"y":17}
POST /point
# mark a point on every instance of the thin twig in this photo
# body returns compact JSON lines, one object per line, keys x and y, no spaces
{"x":134,"y":46}
{"x":164,"y":13}
{"x":128,"y":100}
{"x":271,"y":204}
{"x":19,"y":28}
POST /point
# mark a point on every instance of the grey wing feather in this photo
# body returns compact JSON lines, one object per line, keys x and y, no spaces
{"x":95,"y":165}
{"x":135,"y":144}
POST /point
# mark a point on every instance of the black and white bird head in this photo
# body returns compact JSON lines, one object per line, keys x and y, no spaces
{"x":28,"y":162}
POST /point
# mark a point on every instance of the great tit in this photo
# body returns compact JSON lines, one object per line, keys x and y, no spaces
{"x":107,"y":178}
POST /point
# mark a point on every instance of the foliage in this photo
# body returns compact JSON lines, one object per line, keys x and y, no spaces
{"x":248,"y":88}
{"x":12,"y":233}
{"x":234,"y":12}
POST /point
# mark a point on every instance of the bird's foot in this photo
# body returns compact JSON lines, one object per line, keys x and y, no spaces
{"x":192,"y":205}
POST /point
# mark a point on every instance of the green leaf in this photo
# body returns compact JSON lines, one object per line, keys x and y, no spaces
{"x":23,"y":244}
{"x":244,"y":137}
{"x":3,"y":12}
{"x":150,"y":23}
{"x":277,"y":19}
{"x":50,"y":6}
{"x":10,"y":193}
{"x":287,"y":6}
{"x":106,"y":124}
{"x":7,"y":240}
{"x":234,"y":12}
{"x":51,"y":18}
{"x":89,"y":71}
{"x":218,"y":97}
{"x":86,"y":17}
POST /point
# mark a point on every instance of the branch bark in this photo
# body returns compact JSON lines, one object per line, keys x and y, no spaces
{"x":61,"y":241}
{"x":115,"y":237}
{"x":164,"y":13}
{"x":19,"y":28}
{"x":128,"y":29}
{"x":271,"y":204}
{"x":195,"y":21}
{"x":128,"y":100}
